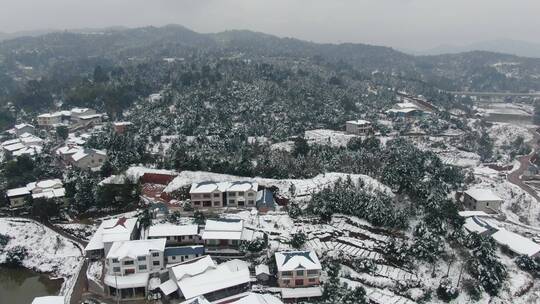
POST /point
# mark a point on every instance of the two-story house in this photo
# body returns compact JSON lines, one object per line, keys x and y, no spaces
{"x":88,"y":158}
{"x":175,"y":234}
{"x":358,"y":127}
{"x":128,"y":266}
{"x":298,"y":269}
{"x":210,"y":194}
{"x":108,"y":232}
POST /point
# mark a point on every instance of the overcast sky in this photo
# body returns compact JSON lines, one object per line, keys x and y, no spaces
{"x":414,"y":24}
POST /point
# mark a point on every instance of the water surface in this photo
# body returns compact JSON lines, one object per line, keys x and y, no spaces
{"x":21,"y":286}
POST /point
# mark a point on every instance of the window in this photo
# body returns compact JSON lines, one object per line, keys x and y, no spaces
{"x":300,"y":273}
{"x":312,"y":280}
{"x":216,"y":194}
{"x":487,"y":204}
{"x":240,"y":193}
{"x":286,"y":274}
{"x":155,"y":263}
{"x":251,"y":194}
{"x":216,"y":204}
{"x":128,"y":262}
{"x":206,"y":195}
{"x":155,"y":254}
{"x":190,"y":237}
{"x":232,"y":202}
{"x":232,"y":193}
{"x":286,"y":282}
{"x":197,"y":203}
{"x":313,"y":272}
{"x":174,"y":257}
{"x":251,"y":202}
{"x":142,"y":267}
{"x":116,"y":269}
{"x":235,"y":242}
{"x":115,"y":260}
{"x":141,"y":258}
{"x":207,"y":203}
{"x":241,"y":203}
{"x":298,"y":282}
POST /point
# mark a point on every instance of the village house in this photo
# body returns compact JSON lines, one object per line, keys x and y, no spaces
{"x":108,"y":232}
{"x":262,"y":272}
{"x":50,"y":120}
{"x":482,"y":200}
{"x":78,"y":112}
{"x":209,"y":194}
{"x":49,"y":189}
{"x":121,"y":127}
{"x":203,"y":277}
{"x":358,"y":127}
{"x":175,"y":234}
{"x":297,"y":269}
{"x":183,"y":253}
{"x":128,"y":266}
{"x":156,"y":97}
{"x":23,"y":128}
{"x":88,"y":158}
{"x":223,"y":237}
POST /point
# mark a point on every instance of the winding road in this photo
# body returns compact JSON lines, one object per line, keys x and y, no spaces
{"x":524,"y":161}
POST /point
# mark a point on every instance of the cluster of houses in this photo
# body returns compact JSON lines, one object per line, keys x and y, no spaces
{"x":48,"y":189}
{"x":195,"y":264}
{"x":24,"y":141}
{"x":76,"y":118}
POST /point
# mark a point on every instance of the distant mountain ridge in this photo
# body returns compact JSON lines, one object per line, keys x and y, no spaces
{"x":504,"y":46}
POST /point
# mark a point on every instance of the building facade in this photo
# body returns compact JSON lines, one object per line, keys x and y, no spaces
{"x":298,"y":269}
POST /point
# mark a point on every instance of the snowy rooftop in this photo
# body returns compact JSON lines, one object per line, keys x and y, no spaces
{"x":224,"y":225}
{"x":478,"y":225}
{"x":469,"y":213}
{"x":79,"y":110}
{"x":213,"y":279}
{"x":49,"y":300}
{"x":291,"y":260}
{"x":119,"y":228}
{"x":17,"y":192}
{"x":49,"y":183}
{"x":127,"y":281}
{"x":122,"y":123}
{"x":168,"y":287}
{"x":135,"y":248}
{"x":359,"y":122}
{"x":296,"y":293}
{"x":197,"y":300}
{"x":516,"y":242}
{"x":67,"y":150}
{"x":193,"y":267}
{"x":85,"y":152}
{"x":23,"y":125}
{"x":136,"y":172}
{"x":172,"y":230}
{"x":256,"y":298}
{"x":222,"y":235}
{"x":210,"y":186}
{"x":14,"y":147}
{"x":50,"y":193}
{"x":91,"y":116}
{"x":262,"y":269}
{"x":483,"y":195}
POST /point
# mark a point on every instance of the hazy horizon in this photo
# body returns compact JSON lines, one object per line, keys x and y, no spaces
{"x":404,"y":24}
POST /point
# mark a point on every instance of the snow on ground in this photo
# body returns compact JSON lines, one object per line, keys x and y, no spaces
{"x":518,"y":205}
{"x":95,"y":271}
{"x":136,"y":172}
{"x":505,"y":133}
{"x":303,"y":187}
{"x":283,"y":146}
{"x":47,"y":251}
{"x":328,"y":137}
{"x":81,"y":231}
{"x":505,"y":108}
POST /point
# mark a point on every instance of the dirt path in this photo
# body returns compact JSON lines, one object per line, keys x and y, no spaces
{"x":524,"y":161}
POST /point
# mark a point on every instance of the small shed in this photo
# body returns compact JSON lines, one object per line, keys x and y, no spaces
{"x":265,"y":200}
{"x":262,"y":272}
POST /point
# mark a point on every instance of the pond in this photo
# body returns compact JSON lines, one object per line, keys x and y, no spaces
{"x":21,"y":286}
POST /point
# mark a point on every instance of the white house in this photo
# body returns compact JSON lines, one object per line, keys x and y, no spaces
{"x":50,"y":188}
{"x":49,"y":120}
{"x":358,"y":127}
{"x":516,"y":243}
{"x":223,"y":237}
{"x":241,"y":194}
{"x":129,"y":264}
{"x":22,"y":128}
{"x":175,"y":234}
{"x":183,"y":253}
{"x":203,"y":277}
{"x":88,"y":158}
{"x":111,"y":230}
{"x":156,"y":97}
{"x":297,"y":268}
{"x":482,"y":200}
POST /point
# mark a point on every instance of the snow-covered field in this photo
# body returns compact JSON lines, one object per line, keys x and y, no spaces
{"x":328,"y":137}
{"x":303,"y":187}
{"x":505,"y":108}
{"x":48,"y":251}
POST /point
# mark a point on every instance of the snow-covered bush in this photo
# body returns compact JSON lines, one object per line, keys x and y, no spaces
{"x":446,"y":291}
{"x":15,"y":256}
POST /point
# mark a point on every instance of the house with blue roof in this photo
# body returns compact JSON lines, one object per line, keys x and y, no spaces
{"x":183,"y":253}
